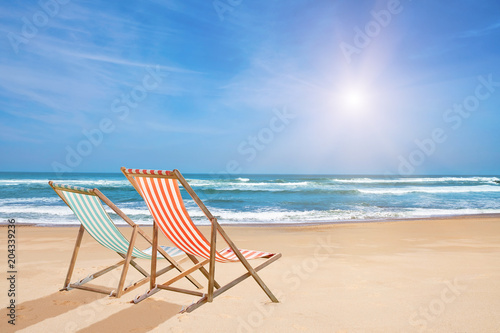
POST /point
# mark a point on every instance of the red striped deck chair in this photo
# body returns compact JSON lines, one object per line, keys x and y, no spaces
{"x":160,"y":190}
{"x":87,"y":206}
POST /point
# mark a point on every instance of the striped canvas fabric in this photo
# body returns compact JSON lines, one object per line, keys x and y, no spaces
{"x":148,"y":172}
{"x":171,"y":251}
{"x":96,"y":221}
{"x":163,"y":198}
{"x":72,"y":188}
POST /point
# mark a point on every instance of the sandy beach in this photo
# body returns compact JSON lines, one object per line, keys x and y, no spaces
{"x":428,"y":275}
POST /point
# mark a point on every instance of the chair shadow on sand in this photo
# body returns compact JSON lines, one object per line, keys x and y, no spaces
{"x":28,"y":313}
{"x":139,"y":318}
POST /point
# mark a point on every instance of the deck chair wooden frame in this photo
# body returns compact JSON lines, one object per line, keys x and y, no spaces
{"x":94,"y":219}
{"x":160,"y":190}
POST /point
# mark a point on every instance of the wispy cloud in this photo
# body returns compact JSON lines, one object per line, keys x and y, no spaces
{"x":480,"y":31}
{"x":176,"y":127}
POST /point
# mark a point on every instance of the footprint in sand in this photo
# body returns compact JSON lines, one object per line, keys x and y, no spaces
{"x":65,"y":303}
{"x":225,"y":316}
{"x":231,"y":297}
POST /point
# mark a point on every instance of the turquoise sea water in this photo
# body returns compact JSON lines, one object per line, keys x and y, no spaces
{"x":275,"y":199}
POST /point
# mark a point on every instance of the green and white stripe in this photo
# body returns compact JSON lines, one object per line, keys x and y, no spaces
{"x":71,"y":188}
{"x":89,"y":210}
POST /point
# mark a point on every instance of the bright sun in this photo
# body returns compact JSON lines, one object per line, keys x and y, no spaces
{"x":354,"y":100}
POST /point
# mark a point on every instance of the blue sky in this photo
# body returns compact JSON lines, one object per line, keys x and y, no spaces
{"x":336,"y":87}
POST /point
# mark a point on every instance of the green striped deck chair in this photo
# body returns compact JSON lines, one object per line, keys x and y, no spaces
{"x":87,"y":206}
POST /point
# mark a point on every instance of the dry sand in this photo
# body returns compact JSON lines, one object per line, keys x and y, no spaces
{"x":431,"y":275}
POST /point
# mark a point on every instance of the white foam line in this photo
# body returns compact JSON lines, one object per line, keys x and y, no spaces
{"x":34,"y":200}
{"x":92,"y":183}
{"x":442,"y":189}
{"x":283,"y":217}
{"x":416,"y":180}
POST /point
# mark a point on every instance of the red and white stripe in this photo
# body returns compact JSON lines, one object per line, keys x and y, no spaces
{"x":163,"y":198}
{"x":148,"y":172}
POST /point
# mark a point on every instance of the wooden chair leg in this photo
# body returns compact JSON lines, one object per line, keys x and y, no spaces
{"x":73,"y":257}
{"x":135,"y":265}
{"x":245,"y":263}
{"x":231,"y":284}
{"x":119,"y":291}
{"x":152,"y":281}
{"x":203,"y":270}
{"x":211,"y":278}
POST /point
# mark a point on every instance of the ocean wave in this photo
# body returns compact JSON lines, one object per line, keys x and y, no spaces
{"x":287,"y":216}
{"x":199,"y":182}
{"x":77,"y":182}
{"x":268,"y":199}
{"x":363,"y":213}
{"x":62,"y":215}
{"x":339,"y":184}
{"x":416,"y":180}
{"x":34,"y":200}
{"x":23,"y":210}
{"x":430,"y":212}
{"x":246,"y":184}
{"x":308,"y":191}
{"x":441,"y":189}
{"x":295,"y":216}
{"x":135,"y":211}
{"x":7,"y":182}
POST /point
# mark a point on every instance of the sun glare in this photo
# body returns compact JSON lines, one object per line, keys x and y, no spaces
{"x":354,"y":100}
